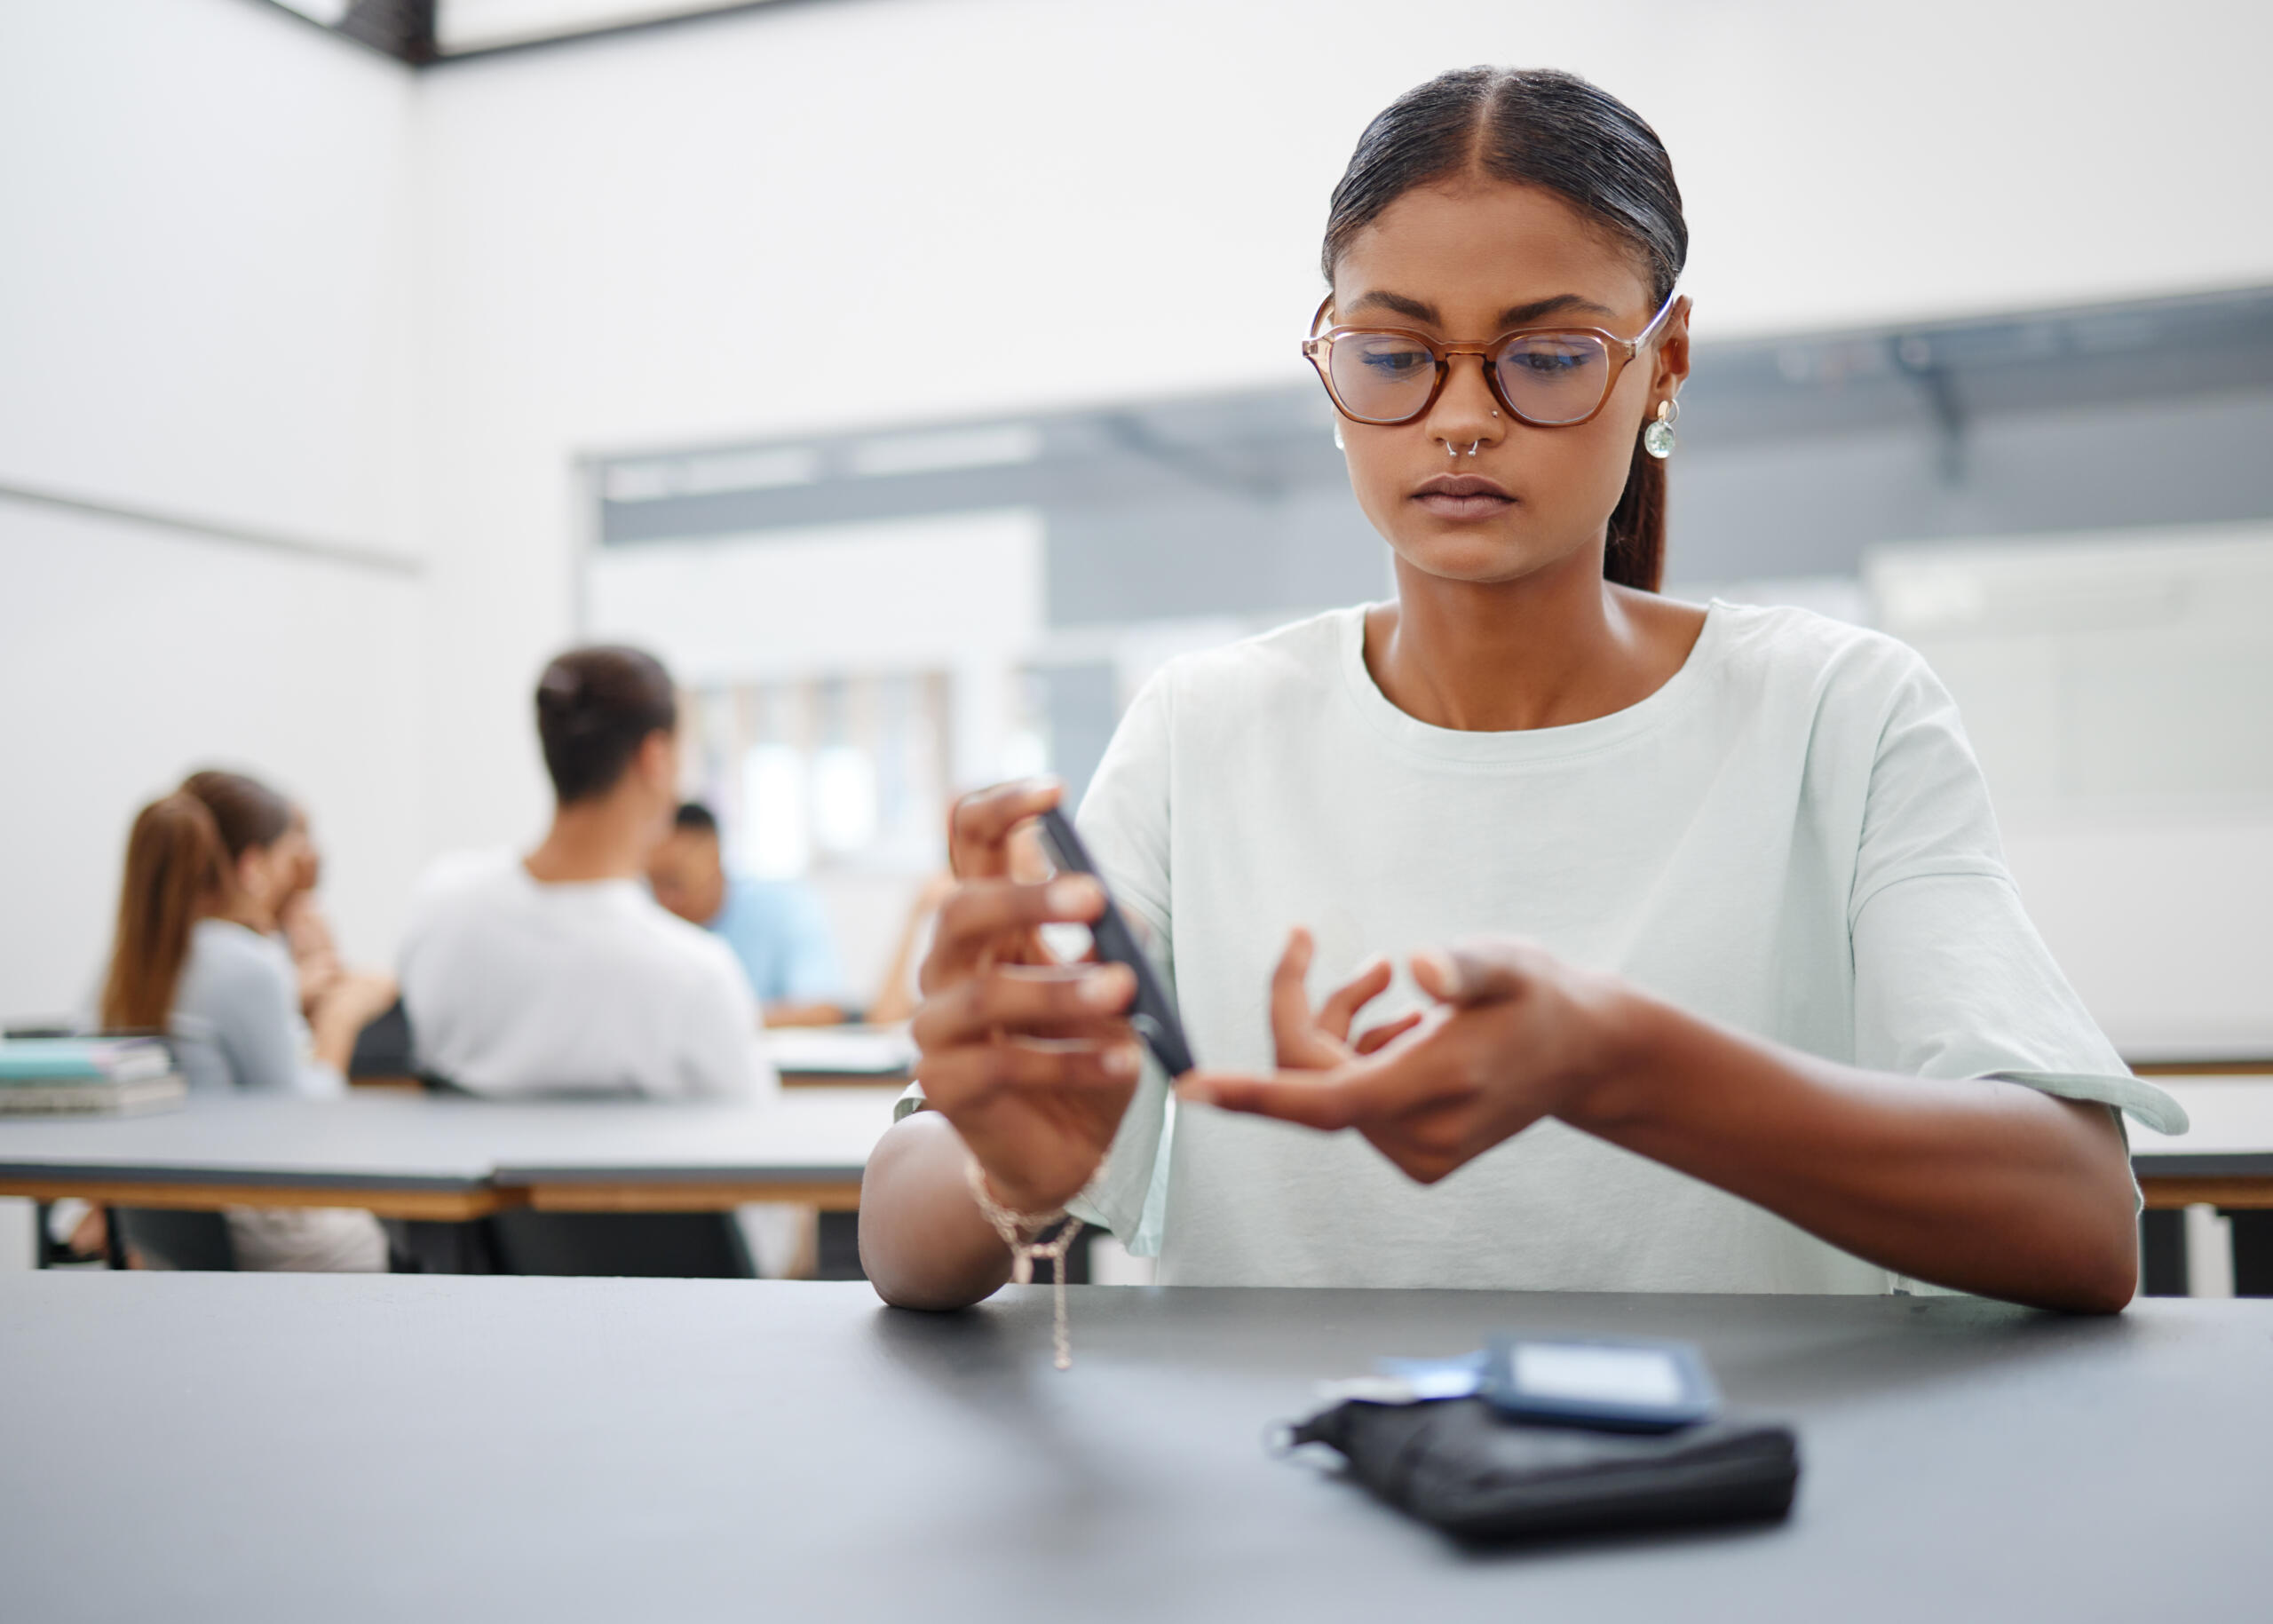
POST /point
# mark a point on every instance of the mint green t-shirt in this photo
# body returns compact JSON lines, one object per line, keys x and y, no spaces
{"x":1791,"y":837}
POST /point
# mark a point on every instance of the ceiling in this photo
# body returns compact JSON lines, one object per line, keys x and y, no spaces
{"x":422,"y":32}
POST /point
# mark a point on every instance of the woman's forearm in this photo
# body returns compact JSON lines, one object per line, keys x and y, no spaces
{"x":1990,"y":1187}
{"x":923,"y":1240}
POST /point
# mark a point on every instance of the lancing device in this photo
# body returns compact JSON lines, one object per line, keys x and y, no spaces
{"x":1154,"y":1013}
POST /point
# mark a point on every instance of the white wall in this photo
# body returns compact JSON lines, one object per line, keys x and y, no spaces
{"x":204,"y":300}
{"x":204,"y":310}
{"x":130,"y":655}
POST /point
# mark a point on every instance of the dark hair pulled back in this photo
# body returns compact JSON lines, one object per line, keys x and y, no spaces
{"x":595,"y":706}
{"x":247,"y":813}
{"x":1542,"y":128}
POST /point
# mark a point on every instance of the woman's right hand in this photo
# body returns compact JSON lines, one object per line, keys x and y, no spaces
{"x":352,"y":1001}
{"x":1031,"y":1060}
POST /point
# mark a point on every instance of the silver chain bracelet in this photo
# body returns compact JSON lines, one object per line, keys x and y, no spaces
{"x":1023,"y":1232}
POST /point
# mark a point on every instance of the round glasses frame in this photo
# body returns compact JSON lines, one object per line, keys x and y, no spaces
{"x":1318,"y":347}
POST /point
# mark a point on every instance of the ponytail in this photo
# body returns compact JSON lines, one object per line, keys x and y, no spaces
{"x":176,"y":875}
{"x":1635,"y":555}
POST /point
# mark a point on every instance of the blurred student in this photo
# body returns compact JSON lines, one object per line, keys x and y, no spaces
{"x":300,"y":917}
{"x":194,"y":957}
{"x":557,"y":972}
{"x":776,"y":928}
{"x":266,"y":850}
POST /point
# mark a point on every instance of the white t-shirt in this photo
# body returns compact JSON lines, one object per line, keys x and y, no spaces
{"x":516,"y":987}
{"x":1791,"y":837}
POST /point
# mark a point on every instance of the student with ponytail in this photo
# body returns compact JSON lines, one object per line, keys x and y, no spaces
{"x":1696,"y":961}
{"x":194,"y":957}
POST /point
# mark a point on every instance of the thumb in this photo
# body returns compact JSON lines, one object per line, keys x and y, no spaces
{"x":1471,"y":973}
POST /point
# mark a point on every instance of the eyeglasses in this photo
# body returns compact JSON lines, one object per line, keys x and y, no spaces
{"x":1551,"y":378}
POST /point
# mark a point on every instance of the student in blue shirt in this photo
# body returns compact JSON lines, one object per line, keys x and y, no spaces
{"x":776,"y":927}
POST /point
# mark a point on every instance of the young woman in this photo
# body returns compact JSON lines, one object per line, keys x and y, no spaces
{"x":1744,"y":999}
{"x":194,"y":957}
{"x":272,"y":861}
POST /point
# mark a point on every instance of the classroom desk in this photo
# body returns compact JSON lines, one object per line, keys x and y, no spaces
{"x":2225,"y":1158}
{"x":413,"y":1156}
{"x":266,"y":1448}
{"x":835,"y":1057}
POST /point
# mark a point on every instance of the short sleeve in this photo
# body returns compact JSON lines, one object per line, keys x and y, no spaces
{"x":252,"y":1002}
{"x":722,"y":1054}
{"x":1951,"y":979}
{"x":1124,"y":822}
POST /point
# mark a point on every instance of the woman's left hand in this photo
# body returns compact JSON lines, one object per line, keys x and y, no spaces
{"x":1517,"y":1035}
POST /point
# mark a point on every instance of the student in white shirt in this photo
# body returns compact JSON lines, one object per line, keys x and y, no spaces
{"x":1717,"y":980}
{"x":559,"y":972}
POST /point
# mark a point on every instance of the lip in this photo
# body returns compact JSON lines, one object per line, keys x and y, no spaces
{"x":1464,"y":496}
{"x":1463,"y":485}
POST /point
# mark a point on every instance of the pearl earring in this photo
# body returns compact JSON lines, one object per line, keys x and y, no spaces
{"x":1657,"y":440}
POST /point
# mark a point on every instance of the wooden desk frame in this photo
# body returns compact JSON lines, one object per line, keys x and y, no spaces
{"x":2246,"y":1191}
{"x":450,"y":1204}
{"x":453,"y":1205}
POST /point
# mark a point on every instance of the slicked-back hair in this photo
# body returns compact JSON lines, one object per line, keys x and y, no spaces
{"x":1541,"y":128}
{"x":595,"y":707}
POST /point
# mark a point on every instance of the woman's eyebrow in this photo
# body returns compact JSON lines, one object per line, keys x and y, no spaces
{"x":1562,"y":303}
{"x":1396,"y":304}
{"x":1514,"y":316}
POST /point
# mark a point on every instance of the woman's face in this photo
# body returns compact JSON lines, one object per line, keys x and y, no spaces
{"x":306,"y":862}
{"x":1464,"y":262}
{"x":265,"y":876}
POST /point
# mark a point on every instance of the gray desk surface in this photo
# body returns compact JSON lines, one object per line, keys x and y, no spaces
{"x":380,"y":1139}
{"x":264,"y":1447}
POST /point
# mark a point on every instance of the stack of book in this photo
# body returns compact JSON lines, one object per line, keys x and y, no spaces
{"x":104,"y":1076}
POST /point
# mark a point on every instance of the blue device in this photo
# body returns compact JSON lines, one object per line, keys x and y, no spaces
{"x":1615,"y":1383}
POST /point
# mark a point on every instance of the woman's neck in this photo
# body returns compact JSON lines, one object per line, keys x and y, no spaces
{"x":243,"y":911}
{"x":607,"y":839}
{"x":1558,"y":646}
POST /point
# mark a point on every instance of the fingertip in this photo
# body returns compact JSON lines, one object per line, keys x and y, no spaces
{"x":1109,"y":986}
{"x":1075,"y":897}
{"x":1436,"y":972}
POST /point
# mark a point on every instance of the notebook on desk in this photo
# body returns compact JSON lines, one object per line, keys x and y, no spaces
{"x":843,"y":1052}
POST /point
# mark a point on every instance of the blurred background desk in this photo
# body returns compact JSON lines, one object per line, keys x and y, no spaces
{"x":827,"y":1056}
{"x":411,"y":1156}
{"x":442,"y":1447}
{"x":2225,"y":1158}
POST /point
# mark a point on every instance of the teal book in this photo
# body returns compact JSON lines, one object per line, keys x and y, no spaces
{"x":33,"y":1060}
